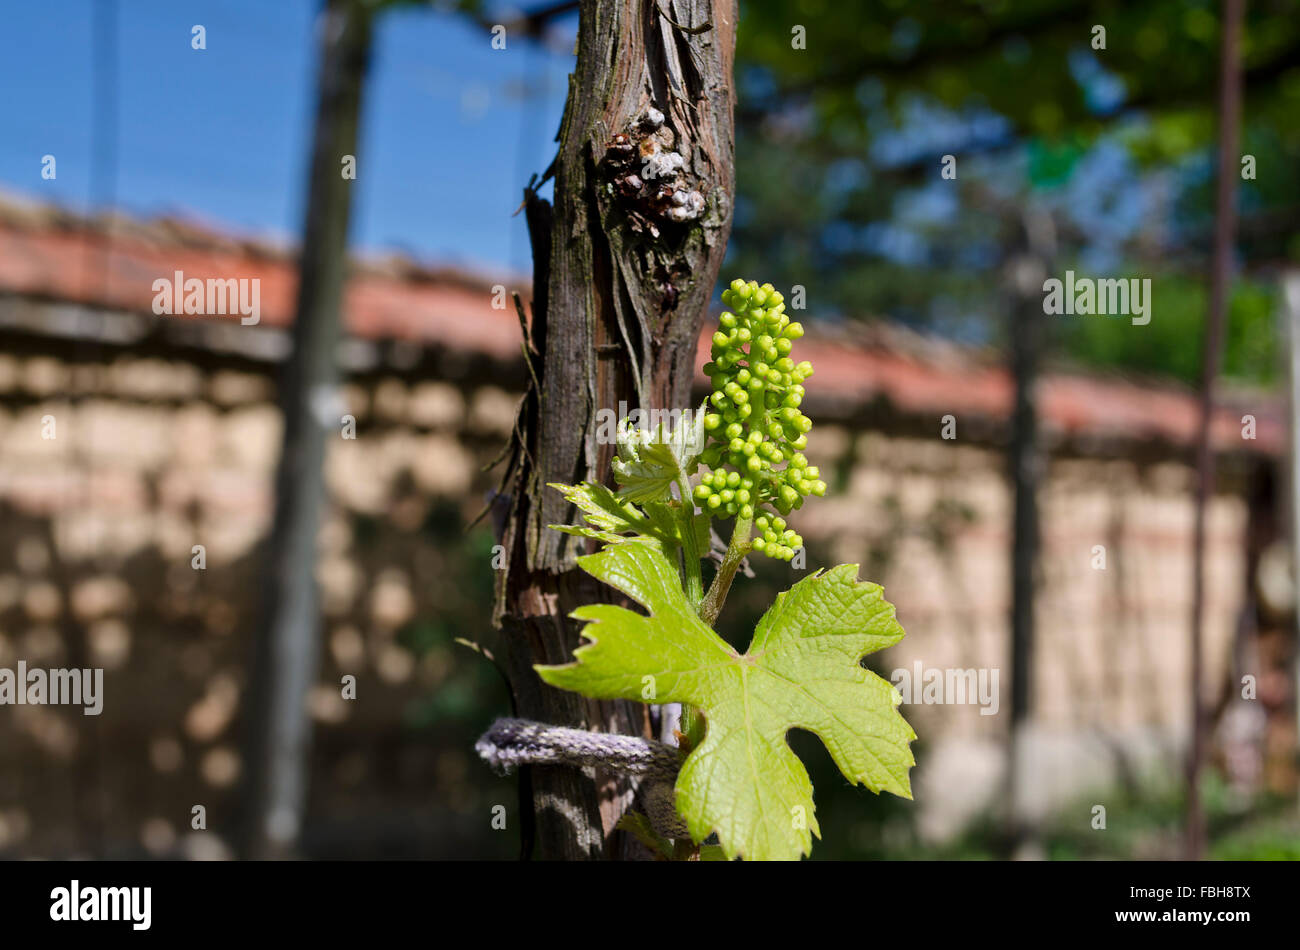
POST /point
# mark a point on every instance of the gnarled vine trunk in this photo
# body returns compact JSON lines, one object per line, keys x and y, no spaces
{"x":625,"y":262}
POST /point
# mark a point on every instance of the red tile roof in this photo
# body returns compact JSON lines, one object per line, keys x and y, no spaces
{"x":48,"y":254}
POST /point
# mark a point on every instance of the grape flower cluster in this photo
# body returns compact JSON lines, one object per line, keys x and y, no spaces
{"x":756,"y":432}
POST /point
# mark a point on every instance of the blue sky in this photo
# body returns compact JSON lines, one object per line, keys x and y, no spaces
{"x":452,"y":129}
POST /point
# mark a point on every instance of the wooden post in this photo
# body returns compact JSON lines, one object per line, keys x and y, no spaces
{"x":1225,"y":221}
{"x":1027,"y":331}
{"x":288,"y":645}
{"x":1291,"y":309}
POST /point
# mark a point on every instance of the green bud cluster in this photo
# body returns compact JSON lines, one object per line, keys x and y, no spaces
{"x":757,"y":433}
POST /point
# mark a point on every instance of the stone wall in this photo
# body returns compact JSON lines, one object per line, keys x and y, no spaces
{"x":152,"y":456}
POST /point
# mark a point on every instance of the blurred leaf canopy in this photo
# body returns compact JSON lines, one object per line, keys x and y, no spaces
{"x":840,"y":148}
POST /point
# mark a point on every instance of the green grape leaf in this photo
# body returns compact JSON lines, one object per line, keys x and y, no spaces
{"x":614,"y":521}
{"x":649,"y":463}
{"x":803,"y":670}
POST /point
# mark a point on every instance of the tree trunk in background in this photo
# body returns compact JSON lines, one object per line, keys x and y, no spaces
{"x":1225,"y":223}
{"x":625,"y":263}
{"x":1025,"y":464}
{"x":1291,"y":325}
{"x":288,"y":644}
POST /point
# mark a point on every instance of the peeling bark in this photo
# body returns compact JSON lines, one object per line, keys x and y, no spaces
{"x":625,"y":263}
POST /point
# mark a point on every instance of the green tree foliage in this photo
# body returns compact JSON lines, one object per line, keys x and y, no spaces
{"x":843,"y":131}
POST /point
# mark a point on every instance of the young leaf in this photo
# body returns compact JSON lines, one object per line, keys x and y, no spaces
{"x":616,"y":521}
{"x":649,"y":463}
{"x":803,"y":670}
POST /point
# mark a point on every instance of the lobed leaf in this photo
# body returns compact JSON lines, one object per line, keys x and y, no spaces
{"x":803,"y":670}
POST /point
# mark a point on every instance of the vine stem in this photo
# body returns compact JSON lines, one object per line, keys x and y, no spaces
{"x":694,"y":583}
{"x":711,"y":606}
